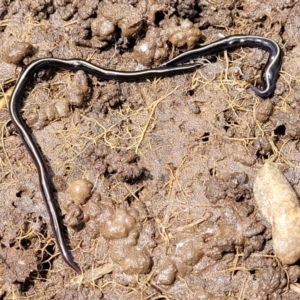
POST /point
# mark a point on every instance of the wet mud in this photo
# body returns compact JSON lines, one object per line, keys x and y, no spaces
{"x":154,"y":178}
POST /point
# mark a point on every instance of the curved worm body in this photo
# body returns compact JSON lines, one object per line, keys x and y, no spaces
{"x":174,"y":66}
{"x":270,"y":71}
{"x":16,"y":116}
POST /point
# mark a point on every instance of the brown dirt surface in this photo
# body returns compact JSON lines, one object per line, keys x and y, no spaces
{"x":164,"y":205}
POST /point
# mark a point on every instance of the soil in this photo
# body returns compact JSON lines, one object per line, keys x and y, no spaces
{"x":154,"y":179}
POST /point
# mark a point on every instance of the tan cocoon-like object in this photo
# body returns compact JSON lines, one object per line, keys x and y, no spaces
{"x":279,"y":204}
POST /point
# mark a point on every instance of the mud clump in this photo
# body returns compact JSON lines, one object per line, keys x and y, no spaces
{"x":128,"y":235}
{"x":124,"y":167}
{"x":153,"y":48}
{"x":79,"y":91}
{"x":125,"y":233}
{"x":264,"y":110}
{"x":103,"y":31}
{"x":17,"y":52}
{"x":187,"y":254}
{"x":116,"y":165}
{"x":75,"y":217}
{"x":183,"y":33}
{"x":110,"y":96}
{"x":77,"y":94}
{"x":131,"y":259}
{"x":235,"y":186}
{"x":118,"y":225}
{"x":124,"y":16}
{"x":80,"y":190}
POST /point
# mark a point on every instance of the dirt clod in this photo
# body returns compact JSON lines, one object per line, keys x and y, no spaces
{"x":184,"y":34}
{"x":80,"y":190}
{"x":117,"y":225}
{"x":264,"y":110}
{"x":16,"y":52}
